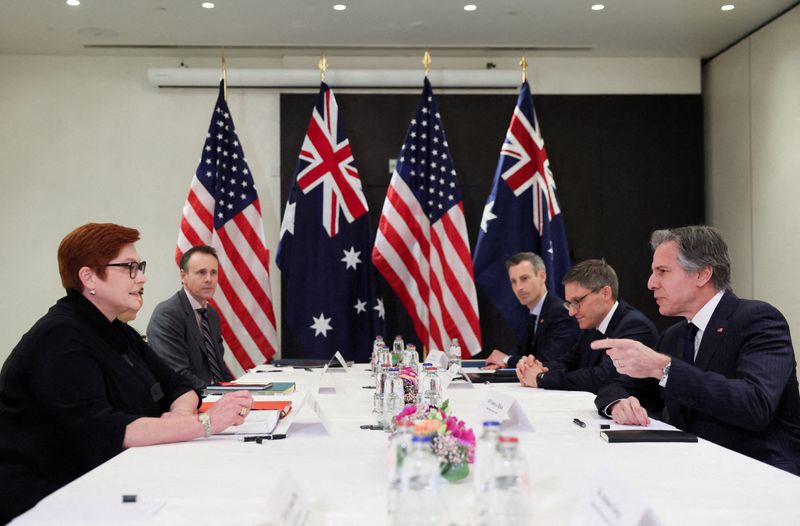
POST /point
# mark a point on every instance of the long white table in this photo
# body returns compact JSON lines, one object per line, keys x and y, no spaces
{"x":222,"y":481}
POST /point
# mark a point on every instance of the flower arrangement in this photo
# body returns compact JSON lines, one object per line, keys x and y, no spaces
{"x":453,"y":442}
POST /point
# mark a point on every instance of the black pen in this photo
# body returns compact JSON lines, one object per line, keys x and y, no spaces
{"x":372,"y":427}
{"x":259,"y":438}
{"x":578,"y":422}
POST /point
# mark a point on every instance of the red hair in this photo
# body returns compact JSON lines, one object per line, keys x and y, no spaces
{"x":91,"y":245}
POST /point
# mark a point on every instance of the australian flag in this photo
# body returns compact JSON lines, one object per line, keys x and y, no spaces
{"x":324,"y":247}
{"x":521,"y":215}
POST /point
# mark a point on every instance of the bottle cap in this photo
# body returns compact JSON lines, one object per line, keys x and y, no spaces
{"x":508,"y":440}
{"x":491,"y":423}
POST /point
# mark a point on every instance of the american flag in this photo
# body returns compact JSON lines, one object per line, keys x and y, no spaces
{"x":521,"y":214}
{"x":421,"y":247}
{"x":324,"y":246}
{"x":223,"y":211}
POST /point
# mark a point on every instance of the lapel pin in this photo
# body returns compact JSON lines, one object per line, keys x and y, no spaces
{"x":720,"y":330}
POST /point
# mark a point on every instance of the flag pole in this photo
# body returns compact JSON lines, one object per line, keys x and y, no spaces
{"x":523,"y":64}
{"x":426,"y":63}
{"x":224,"y":74}
{"x":323,"y":66}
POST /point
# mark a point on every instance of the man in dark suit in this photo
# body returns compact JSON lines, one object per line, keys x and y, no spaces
{"x":592,"y":289}
{"x":184,"y":329}
{"x":551,"y":332}
{"x":727,"y":374}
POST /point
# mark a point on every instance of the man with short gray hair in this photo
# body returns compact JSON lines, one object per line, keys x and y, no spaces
{"x":727,"y":374}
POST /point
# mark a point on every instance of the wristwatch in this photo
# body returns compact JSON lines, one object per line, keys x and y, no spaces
{"x":539,"y":378}
{"x":664,"y":375}
{"x":205,"y":419}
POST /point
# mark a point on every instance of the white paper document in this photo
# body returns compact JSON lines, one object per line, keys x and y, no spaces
{"x":259,"y":422}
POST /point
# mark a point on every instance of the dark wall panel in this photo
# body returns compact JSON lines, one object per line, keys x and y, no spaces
{"x":624,"y":165}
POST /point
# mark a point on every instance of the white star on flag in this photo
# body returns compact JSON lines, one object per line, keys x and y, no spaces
{"x":287,"y":225}
{"x":379,"y":308}
{"x":487,"y":216}
{"x":351,"y":258}
{"x":321,"y":325}
{"x":360,"y":306}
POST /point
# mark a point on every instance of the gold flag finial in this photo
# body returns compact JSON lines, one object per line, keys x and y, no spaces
{"x":323,"y":67}
{"x":426,"y":61}
{"x":523,"y":64}
{"x":224,"y":74}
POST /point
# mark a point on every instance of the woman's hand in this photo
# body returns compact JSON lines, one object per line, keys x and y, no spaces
{"x":230,"y":410}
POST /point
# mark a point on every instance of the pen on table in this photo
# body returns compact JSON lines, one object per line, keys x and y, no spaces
{"x":578,"y":422}
{"x":259,"y":438}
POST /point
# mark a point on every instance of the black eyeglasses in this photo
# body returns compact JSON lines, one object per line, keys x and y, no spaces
{"x":133,"y":267}
{"x":576,"y":304}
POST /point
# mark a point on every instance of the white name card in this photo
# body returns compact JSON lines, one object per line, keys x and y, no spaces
{"x":609,"y":502}
{"x":435,"y":358}
{"x":288,"y":504}
{"x":451,"y":375}
{"x":506,"y":410}
{"x":339,"y":358}
{"x":319,"y":426}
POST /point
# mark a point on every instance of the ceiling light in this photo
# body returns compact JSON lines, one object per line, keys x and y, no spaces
{"x":598,"y":7}
{"x":74,"y":3}
{"x":728,"y":7}
{"x":339,"y":7}
{"x":470,"y":7}
{"x":208,"y":5}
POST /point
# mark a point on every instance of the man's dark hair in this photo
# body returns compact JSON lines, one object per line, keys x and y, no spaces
{"x":594,"y":274}
{"x":202,"y":249}
{"x":535,"y":261}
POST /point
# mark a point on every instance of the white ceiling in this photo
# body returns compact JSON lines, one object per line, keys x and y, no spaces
{"x":270,"y":28}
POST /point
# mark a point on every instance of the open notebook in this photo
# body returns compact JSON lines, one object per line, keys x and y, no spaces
{"x":262,"y":420}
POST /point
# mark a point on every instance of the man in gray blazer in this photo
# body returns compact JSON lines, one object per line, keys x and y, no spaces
{"x":184,"y":329}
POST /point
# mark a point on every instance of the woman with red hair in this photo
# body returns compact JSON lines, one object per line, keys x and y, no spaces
{"x":81,"y":386}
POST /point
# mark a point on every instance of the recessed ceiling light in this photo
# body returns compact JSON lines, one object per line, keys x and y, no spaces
{"x":470,"y":7}
{"x":598,"y":7}
{"x":208,"y":5}
{"x":74,"y":3}
{"x":728,"y":7}
{"x":339,"y":7}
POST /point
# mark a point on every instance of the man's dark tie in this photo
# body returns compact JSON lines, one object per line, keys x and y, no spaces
{"x":208,"y":347}
{"x":534,"y":320}
{"x":688,"y":342}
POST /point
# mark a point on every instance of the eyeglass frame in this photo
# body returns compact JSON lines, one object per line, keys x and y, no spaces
{"x":133,"y":267}
{"x":577,"y":303}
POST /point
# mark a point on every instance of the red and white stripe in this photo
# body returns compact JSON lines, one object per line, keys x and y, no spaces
{"x":243,"y":298}
{"x":430,"y":268}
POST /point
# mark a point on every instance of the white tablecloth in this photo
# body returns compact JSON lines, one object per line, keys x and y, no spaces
{"x":223,"y":481}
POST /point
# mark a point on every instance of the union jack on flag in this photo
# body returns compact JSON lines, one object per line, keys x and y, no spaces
{"x":329,"y":162}
{"x":328,"y":280}
{"x":521,"y":215}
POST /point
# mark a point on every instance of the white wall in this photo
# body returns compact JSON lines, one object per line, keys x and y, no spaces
{"x":752,"y":107}
{"x":88,"y":139}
